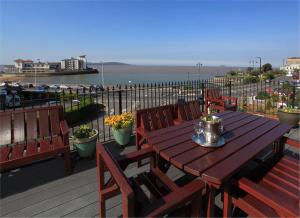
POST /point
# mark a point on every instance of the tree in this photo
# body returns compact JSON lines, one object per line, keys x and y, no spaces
{"x":232,"y":73}
{"x":254,"y":73}
{"x":266,"y":67}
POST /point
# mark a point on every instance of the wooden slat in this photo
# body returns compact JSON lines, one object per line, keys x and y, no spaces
{"x":43,"y":123}
{"x":246,"y":135}
{"x":45,"y":145}
{"x":145,"y":121}
{"x":161,"y":117}
{"x":229,"y":166}
{"x":181,"y":112}
{"x":154,"y":120}
{"x":4,"y":153}
{"x":169,"y":117}
{"x":57,"y":142}
{"x":54,"y":121}
{"x":17,"y":151}
{"x":31,"y":148}
{"x":31,"y":125}
{"x":287,"y":193}
{"x":254,"y":207}
{"x":5,"y":129}
{"x":280,"y":185}
{"x":19,"y":127}
{"x":193,"y":157}
{"x":188,"y":111}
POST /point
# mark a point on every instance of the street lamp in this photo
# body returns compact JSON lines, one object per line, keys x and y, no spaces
{"x":259,"y":64}
{"x":199,"y":65}
{"x":102,"y":77}
{"x":35,"y":72}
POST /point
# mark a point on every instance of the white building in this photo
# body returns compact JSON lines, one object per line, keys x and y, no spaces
{"x":28,"y":66}
{"x":78,"y":63}
{"x":291,"y":64}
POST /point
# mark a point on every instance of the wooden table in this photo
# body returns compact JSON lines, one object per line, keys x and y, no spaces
{"x":246,"y":136}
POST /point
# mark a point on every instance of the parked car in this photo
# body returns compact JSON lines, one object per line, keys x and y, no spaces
{"x":28,"y":85}
{"x":12,"y":101}
{"x":54,"y":86}
{"x":62,"y":86}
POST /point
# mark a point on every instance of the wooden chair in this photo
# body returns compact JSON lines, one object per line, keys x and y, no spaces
{"x":30,"y":135}
{"x":214,"y":100}
{"x":275,"y":193}
{"x":165,"y":196}
{"x":188,"y":110}
{"x":151,"y":119}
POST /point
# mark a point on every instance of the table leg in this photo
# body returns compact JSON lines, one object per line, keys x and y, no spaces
{"x":227,"y":202}
{"x":211,"y":201}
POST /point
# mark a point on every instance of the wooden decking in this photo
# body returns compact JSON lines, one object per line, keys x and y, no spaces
{"x":42,"y":190}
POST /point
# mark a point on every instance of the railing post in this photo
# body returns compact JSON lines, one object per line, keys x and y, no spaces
{"x":230,"y":91}
{"x":203,"y":95}
{"x":120,"y":101}
{"x":294,"y":94}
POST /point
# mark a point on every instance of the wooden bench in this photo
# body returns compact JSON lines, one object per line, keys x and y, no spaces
{"x":166,"y":197}
{"x":30,"y":135}
{"x":215,"y":101}
{"x":275,"y":193}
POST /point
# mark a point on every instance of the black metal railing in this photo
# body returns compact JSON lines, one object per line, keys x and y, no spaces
{"x":91,"y":106}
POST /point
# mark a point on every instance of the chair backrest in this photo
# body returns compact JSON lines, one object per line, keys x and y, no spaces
{"x":212,"y":93}
{"x":28,"y":124}
{"x":105,"y":160}
{"x":189,"y":110}
{"x":155,"y":118}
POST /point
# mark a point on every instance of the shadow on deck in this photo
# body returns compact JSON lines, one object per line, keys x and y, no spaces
{"x":42,"y":190}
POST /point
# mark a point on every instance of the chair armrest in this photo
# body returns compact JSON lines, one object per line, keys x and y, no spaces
{"x":292,"y":142}
{"x":215,"y":100}
{"x":64,"y":129}
{"x":135,"y":156}
{"x":234,"y":99}
{"x":178,"y":198}
{"x":282,"y":203}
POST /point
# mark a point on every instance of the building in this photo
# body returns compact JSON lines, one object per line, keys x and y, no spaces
{"x":74,"y":64}
{"x":291,"y":64}
{"x":28,"y":66}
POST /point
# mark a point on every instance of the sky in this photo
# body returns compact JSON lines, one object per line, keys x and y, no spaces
{"x":151,"y":32}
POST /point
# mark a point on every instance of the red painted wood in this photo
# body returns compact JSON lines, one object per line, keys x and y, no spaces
{"x":154,"y":120}
{"x":4,"y":153}
{"x":162,"y":120}
{"x":43,"y":123}
{"x":276,"y":185}
{"x":195,"y":164}
{"x":19,"y":127}
{"x":5,"y":128}
{"x":169,"y":116}
{"x":254,"y":207}
{"x":31,"y":148}
{"x":45,"y":145}
{"x":27,"y":151}
{"x":145,"y":121}
{"x":54,"y":121}
{"x":31,"y":125}
{"x":17,"y":151}
{"x":226,"y":168}
{"x":279,"y":201}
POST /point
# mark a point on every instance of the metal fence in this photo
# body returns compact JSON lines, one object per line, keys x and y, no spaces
{"x":91,"y":106}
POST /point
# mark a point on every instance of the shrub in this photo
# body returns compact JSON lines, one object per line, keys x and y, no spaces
{"x":262,"y":95}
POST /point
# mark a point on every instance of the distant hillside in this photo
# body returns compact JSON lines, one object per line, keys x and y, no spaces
{"x":110,"y":63}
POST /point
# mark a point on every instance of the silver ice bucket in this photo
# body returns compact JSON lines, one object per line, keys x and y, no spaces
{"x":212,"y":128}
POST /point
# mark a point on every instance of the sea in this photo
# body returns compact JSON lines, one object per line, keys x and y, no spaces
{"x":131,"y":74}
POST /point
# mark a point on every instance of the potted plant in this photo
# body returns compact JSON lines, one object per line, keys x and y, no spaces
{"x":121,"y":127}
{"x":85,"y":140}
{"x":289,"y":115}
